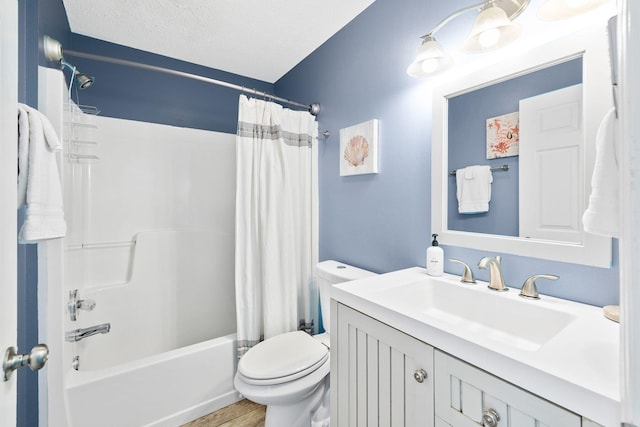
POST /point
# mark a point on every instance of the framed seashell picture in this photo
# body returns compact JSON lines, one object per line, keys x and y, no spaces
{"x":359,"y":149}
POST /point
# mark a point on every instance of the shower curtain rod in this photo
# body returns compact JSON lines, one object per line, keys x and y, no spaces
{"x":314,"y":108}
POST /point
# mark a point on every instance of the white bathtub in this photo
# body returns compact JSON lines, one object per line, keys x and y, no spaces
{"x":169,"y":389}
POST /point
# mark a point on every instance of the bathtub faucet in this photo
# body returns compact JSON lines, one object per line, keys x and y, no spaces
{"x":82,"y":333}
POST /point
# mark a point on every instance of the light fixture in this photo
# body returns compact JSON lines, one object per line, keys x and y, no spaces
{"x":553,"y":10}
{"x":431,"y":59}
{"x":492,"y":29}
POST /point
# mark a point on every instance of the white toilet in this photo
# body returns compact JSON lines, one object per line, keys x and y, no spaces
{"x":290,"y":372}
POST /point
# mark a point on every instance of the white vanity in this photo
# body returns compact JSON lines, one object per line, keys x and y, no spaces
{"x":414,"y":350}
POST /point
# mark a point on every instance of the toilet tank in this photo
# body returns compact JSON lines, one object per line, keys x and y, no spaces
{"x":329,"y":273}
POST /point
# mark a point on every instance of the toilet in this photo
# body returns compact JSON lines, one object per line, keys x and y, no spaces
{"x":289,"y":373}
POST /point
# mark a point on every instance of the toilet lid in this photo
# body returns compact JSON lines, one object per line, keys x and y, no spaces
{"x":285,"y":357}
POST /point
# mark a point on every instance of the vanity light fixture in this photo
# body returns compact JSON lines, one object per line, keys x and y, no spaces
{"x":553,"y":10}
{"x":492,"y":29}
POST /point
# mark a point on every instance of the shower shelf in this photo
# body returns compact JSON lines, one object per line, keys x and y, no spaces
{"x":82,"y":125}
{"x":77,"y":156}
{"x":84,"y":141}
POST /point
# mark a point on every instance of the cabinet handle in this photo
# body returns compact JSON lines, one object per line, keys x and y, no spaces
{"x":490,"y":418}
{"x":420,"y":375}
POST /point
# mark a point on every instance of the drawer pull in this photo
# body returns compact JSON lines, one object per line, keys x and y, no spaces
{"x":420,"y":375}
{"x":490,"y":418}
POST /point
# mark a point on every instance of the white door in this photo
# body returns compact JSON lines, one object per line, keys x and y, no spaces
{"x":629,"y":113}
{"x":552,"y":160}
{"x":8,"y":196}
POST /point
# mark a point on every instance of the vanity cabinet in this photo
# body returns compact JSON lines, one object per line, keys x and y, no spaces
{"x":468,"y":396}
{"x":379,"y":375}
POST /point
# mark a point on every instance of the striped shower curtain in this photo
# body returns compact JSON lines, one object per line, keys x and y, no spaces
{"x":276,"y":221}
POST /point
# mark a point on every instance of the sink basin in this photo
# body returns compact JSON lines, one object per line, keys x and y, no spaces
{"x":477,"y":312}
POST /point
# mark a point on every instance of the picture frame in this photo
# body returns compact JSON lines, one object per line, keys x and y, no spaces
{"x":359,"y":149}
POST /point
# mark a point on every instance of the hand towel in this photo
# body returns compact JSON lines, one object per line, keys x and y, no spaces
{"x":44,"y":215}
{"x":602,"y":215}
{"x":23,"y":154}
{"x":473,"y":189}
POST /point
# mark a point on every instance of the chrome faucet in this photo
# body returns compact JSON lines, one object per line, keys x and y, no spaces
{"x":496,"y":281}
{"x":82,"y":333}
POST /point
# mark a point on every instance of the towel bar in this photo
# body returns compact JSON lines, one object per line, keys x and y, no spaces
{"x":493,"y":169}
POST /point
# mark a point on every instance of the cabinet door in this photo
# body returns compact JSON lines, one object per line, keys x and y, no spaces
{"x":464,"y":394}
{"x":377,"y":376}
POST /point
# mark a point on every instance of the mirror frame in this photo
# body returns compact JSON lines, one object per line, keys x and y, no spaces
{"x":592,"y":45}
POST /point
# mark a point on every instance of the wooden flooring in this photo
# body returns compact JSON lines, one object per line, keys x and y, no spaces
{"x":241,"y":414}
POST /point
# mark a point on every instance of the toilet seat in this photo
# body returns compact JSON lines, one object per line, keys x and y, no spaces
{"x":283,"y":358}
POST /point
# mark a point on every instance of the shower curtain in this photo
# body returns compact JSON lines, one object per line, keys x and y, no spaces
{"x":276,"y":221}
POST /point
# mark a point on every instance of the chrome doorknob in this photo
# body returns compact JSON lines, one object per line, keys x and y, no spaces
{"x":35,"y":359}
{"x":490,"y":418}
{"x":420,"y":375}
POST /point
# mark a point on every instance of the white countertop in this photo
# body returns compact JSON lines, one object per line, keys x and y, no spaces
{"x":578,"y":368}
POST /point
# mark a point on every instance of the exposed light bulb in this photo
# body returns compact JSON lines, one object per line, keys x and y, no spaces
{"x":489,"y":37}
{"x":429,"y":65}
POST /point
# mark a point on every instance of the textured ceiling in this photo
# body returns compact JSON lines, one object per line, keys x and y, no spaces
{"x":254,"y":38}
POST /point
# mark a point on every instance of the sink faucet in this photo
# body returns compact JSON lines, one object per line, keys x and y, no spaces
{"x":496,"y":281}
{"x":82,"y":333}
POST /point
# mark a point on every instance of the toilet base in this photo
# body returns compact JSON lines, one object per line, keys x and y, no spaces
{"x":309,"y":412}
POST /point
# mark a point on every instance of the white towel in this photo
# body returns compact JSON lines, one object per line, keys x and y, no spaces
{"x":44,"y":216}
{"x":23,"y":154}
{"x":473,"y":189}
{"x":602,"y":215}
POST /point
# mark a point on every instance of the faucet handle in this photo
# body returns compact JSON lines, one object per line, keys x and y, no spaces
{"x":529,"y":289}
{"x":76,"y":304}
{"x":467,"y":274}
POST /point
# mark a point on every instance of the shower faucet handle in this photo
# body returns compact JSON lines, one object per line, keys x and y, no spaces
{"x":76,"y":304}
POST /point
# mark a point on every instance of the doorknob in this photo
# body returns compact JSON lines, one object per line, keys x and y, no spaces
{"x":36,"y":359}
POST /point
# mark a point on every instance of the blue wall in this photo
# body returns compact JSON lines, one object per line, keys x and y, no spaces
{"x":467,"y":144}
{"x":382,"y":222}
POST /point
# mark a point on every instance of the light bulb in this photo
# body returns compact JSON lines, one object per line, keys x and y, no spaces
{"x":429,"y":65}
{"x":489,"y":37}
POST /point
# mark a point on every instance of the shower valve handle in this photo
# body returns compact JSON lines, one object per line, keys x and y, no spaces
{"x":76,"y":304}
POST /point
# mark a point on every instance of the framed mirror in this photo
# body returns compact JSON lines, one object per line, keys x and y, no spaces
{"x":522,"y":217}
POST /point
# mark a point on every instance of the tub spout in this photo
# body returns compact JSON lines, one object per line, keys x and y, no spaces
{"x":82,"y":333}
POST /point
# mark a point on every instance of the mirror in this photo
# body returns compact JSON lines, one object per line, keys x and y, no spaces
{"x":578,"y":64}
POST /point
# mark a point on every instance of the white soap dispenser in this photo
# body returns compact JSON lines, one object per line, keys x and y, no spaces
{"x":435,"y":258}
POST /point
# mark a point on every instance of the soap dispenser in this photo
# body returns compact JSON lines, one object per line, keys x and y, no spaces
{"x":435,"y":258}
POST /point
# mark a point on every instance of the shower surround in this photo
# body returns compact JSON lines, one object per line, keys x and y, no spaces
{"x":150,"y":214}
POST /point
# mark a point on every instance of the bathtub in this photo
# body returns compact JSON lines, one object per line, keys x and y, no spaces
{"x":169,"y":389}
{"x":170,"y":355}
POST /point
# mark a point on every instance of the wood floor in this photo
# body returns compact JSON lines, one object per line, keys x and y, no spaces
{"x":241,"y":414}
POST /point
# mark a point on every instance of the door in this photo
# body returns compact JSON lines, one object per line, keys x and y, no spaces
{"x":8,"y":196}
{"x":383,"y":377}
{"x":552,"y":160}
